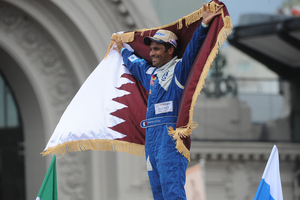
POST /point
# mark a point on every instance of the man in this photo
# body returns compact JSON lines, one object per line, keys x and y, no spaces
{"x":165,"y":80}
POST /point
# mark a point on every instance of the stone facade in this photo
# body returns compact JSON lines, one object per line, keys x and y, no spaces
{"x":48,"y":48}
{"x":233,"y":169}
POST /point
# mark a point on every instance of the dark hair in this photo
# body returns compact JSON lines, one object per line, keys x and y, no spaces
{"x":168,"y":46}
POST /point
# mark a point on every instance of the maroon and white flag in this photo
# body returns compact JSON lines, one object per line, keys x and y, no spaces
{"x":106,"y":112}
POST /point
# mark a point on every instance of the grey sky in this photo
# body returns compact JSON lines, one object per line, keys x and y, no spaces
{"x":171,"y":10}
{"x":238,"y":7}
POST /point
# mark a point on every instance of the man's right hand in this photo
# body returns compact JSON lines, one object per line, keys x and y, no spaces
{"x":119,"y":44}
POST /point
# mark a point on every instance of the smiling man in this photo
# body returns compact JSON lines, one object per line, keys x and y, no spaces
{"x":164,"y":79}
{"x":162,"y":47}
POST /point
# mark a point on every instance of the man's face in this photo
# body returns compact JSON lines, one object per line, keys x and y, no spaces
{"x":158,"y":54}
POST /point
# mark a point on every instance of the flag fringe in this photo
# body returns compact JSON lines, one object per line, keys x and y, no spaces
{"x":185,"y":131}
{"x":96,"y":144}
{"x":189,"y":19}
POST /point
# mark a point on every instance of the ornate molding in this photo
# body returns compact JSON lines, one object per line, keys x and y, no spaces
{"x":124,"y":14}
{"x":73,"y":173}
{"x":243,"y":151}
{"x":45,"y":55}
{"x":54,"y":75}
{"x":237,"y":181}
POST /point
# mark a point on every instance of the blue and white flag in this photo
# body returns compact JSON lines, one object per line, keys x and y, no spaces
{"x":270,"y":184}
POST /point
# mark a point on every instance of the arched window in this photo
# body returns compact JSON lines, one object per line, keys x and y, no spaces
{"x":11,"y":146}
{"x":8,"y":110}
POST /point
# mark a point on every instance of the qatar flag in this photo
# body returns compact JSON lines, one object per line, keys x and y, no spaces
{"x":106,"y":112}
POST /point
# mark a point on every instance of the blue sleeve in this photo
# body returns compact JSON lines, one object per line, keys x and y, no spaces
{"x":184,"y":66}
{"x":138,"y":67}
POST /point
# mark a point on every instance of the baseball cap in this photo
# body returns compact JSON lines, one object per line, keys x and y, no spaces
{"x":162,"y":36}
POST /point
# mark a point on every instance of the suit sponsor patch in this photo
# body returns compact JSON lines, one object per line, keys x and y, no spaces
{"x":134,"y":59}
{"x":164,"y":77}
{"x":150,"y":70}
{"x":163,"y":107}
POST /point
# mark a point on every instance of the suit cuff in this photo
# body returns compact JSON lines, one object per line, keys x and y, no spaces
{"x":122,"y":50}
{"x":204,"y":25}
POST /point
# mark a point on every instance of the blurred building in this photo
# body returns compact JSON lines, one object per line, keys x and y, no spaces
{"x":242,"y":112}
{"x":169,"y":11}
{"x":237,"y":129}
{"x":48,"y":48}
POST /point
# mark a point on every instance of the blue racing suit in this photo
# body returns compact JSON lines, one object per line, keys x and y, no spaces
{"x":165,"y":165}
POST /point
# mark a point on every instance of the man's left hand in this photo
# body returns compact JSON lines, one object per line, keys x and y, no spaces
{"x":209,"y":15}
